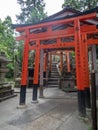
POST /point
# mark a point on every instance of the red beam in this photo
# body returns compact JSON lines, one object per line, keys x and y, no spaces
{"x":62,"y":33}
{"x":58,"y":33}
{"x":62,"y":45}
{"x":32,"y":47}
{"x":83,"y":17}
{"x":87,"y":16}
{"x":88,"y":28}
{"x":46,"y":24}
{"x":52,"y":34}
{"x":92,"y":41}
{"x":57,"y":46}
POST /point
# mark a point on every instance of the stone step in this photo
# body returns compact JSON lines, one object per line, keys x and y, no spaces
{"x":53,"y":67}
{"x":55,"y":76}
{"x":52,"y":82}
{"x":7,"y":97}
{"x":54,"y":71}
{"x":6,"y":93}
{"x":51,"y":86}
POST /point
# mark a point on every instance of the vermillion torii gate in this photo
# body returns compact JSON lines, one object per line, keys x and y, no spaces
{"x":38,"y":37}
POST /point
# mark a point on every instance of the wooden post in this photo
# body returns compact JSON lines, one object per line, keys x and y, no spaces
{"x":46,"y":67}
{"x":36,"y":73}
{"x":85,"y":69}
{"x":79,"y":73}
{"x":94,"y":66}
{"x":94,"y":107}
{"x":93,"y":89}
{"x":24,"y":74}
{"x":41,"y":73}
{"x":68,"y":61}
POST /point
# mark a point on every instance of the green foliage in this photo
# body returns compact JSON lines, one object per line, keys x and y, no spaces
{"x":90,"y":129}
{"x":6,"y":37}
{"x":7,"y":42}
{"x":31,"y":11}
{"x":10,"y":73}
{"x":80,"y":4}
{"x":31,"y":58}
{"x":18,"y":53}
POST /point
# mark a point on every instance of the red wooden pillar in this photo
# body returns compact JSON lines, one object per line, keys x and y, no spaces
{"x":79,"y":71}
{"x":36,"y":72}
{"x":68,"y":61}
{"x":86,"y":71}
{"x":24,"y":74}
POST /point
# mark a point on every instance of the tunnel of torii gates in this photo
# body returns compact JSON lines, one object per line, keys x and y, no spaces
{"x":70,"y":33}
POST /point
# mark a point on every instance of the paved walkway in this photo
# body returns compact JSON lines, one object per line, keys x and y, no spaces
{"x":57,"y":111}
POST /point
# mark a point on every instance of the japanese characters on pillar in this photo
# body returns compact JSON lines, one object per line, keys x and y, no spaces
{"x":85,"y":70}
{"x":78,"y":55}
{"x":85,"y":61}
{"x":79,"y":69}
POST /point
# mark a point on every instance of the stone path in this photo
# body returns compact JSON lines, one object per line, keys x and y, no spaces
{"x":57,"y":111}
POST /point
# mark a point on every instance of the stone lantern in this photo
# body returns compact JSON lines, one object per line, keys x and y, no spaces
{"x":6,"y":90}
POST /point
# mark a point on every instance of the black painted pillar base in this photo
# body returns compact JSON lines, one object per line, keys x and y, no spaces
{"x":81,"y":103}
{"x":87,"y":97}
{"x":94,"y":105}
{"x":44,"y":74}
{"x":22,"y":95}
{"x":35,"y":93}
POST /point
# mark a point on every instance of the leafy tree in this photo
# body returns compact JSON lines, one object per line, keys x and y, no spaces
{"x":7,"y":41}
{"x":31,"y":11}
{"x":80,"y":4}
{"x":6,"y":37}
